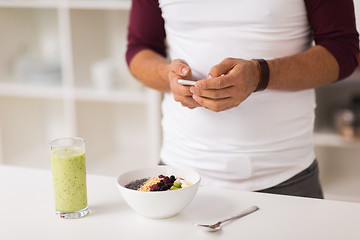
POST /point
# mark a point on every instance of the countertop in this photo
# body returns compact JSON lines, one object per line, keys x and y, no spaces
{"x":27,"y":211}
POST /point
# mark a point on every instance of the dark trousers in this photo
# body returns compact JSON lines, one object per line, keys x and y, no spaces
{"x":304,"y":184}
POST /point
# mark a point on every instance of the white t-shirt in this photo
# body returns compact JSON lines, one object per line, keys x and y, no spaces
{"x":269,"y":137}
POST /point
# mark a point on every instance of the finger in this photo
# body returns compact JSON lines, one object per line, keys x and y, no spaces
{"x":190,"y":107}
{"x":181,"y":90}
{"x":216,"y":105}
{"x":215,"y":83}
{"x":214,"y":93}
{"x":187,"y":102}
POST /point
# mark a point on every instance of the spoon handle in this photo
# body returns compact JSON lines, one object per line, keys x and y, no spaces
{"x":242,"y":214}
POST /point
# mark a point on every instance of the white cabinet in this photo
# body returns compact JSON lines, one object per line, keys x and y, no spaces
{"x":63,"y":73}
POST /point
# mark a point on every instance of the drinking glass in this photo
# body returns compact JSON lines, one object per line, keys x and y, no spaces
{"x":69,"y":177}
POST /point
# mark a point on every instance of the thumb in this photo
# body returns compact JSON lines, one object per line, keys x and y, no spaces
{"x":182,"y":69}
{"x":222,"y":68}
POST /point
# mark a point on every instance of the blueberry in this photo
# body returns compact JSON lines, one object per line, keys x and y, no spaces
{"x":172,"y":178}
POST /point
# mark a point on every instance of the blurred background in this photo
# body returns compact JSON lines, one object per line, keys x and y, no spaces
{"x":63,"y":73}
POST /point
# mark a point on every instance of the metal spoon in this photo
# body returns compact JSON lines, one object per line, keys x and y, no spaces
{"x":217,"y":226}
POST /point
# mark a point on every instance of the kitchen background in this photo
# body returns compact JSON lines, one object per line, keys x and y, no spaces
{"x":63,"y":73}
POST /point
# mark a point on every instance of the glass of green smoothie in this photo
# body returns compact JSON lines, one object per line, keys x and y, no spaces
{"x":69,"y":177}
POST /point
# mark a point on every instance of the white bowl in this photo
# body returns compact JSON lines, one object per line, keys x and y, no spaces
{"x":159,"y":204}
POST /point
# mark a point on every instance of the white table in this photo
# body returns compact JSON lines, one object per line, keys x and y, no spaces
{"x":27,"y":212}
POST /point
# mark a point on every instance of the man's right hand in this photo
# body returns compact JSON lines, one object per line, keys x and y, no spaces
{"x":179,"y":69}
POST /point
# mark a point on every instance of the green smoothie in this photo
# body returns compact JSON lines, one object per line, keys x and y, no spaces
{"x":69,"y":178}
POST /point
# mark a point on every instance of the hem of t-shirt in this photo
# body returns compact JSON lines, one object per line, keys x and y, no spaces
{"x":248,"y":184}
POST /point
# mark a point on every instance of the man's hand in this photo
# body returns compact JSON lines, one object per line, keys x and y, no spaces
{"x":228,"y":84}
{"x":179,"y":69}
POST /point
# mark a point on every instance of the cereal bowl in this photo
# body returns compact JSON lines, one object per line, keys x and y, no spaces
{"x":158,"y":204}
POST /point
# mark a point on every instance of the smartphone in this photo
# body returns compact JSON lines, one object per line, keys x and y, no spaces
{"x":186,"y":82}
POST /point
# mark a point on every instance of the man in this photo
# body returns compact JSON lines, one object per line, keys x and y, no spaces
{"x":247,"y":123}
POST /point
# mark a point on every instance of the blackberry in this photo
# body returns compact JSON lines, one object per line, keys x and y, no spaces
{"x":154,"y":187}
{"x":166,"y":180}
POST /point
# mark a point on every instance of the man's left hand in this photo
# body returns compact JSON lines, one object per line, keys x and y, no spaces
{"x":228,"y":84}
